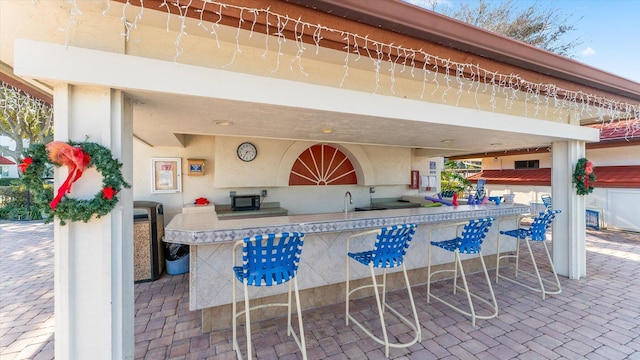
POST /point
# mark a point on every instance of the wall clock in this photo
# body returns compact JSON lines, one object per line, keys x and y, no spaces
{"x":247,"y":151}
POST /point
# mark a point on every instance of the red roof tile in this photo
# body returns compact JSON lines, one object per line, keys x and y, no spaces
{"x":5,"y":161}
{"x":523,"y":177}
{"x":606,"y":177}
{"x":617,"y":176}
{"x":617,"y":130}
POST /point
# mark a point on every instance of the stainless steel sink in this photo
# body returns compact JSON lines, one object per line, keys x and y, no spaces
{"x":370,"y":208}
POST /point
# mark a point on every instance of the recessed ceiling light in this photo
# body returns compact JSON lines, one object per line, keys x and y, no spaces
{"x":447,"y":141}
{"x":327,"y":131}
{"x":224,"y":123}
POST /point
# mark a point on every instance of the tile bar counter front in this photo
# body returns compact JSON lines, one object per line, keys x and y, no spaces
{"x":321,"y":273}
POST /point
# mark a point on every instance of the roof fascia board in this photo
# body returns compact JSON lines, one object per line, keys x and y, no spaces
{"x":417,"y":22}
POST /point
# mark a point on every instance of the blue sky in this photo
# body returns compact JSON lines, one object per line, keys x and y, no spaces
{"x":609,"y":30}
{"x":610,"y":33}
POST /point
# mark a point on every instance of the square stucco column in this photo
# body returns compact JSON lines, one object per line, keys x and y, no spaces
{"x":569,"y":234}
{"x":94,"y":297}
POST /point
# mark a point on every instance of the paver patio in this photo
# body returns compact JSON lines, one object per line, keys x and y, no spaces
{"x":597,"y":317}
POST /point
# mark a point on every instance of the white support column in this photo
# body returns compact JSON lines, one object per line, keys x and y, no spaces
{"x":569,"y":234}
{"x":94,"y":297}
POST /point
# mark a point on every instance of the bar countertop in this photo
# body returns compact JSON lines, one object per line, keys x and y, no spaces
{"x":205,"y":228}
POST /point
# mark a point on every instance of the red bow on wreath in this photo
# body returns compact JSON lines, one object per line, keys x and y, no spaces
{"x":588,"y":169}
{"x":71,"y":156}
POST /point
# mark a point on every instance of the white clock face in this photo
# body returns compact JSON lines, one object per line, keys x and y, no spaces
{"x":247,"y":151}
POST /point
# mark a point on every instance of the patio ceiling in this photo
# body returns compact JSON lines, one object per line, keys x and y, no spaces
{"x":171,"y":117}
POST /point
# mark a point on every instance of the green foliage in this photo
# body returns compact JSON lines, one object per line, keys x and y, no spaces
{"x":23,"y":117}
{"x":452,"y":182}
{"x":544,"y":27}
{"x":8,"y":181}
{"x":16,"y":203}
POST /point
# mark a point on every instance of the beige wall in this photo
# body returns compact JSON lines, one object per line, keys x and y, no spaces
{"x":99,"y":25}
{"x":617,"y":156}
{"x":618,"y":206}
{"x":388,"y":169}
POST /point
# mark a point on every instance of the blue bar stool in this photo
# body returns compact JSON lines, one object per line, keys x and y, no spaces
{"x":268,"y":260}
{"x":388,"y":251}
{"x":537,"y":232}
{"x":469,"y":242}
{"x":546,"y":200}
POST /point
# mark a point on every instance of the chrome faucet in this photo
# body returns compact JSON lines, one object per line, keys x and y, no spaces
{"x":346,"y":205}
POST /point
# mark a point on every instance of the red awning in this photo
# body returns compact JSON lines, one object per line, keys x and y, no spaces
{"x":606,"y":177}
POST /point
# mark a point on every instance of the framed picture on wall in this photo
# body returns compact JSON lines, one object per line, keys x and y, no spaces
{"x":166,"y":175}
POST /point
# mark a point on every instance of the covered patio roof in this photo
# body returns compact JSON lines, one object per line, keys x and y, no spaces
{"x":447,"y":127}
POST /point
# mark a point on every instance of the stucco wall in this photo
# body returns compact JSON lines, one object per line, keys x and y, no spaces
{"x":388,"y":169}
{"x":199,"y":147}
{"x":619,"y":206}
{"x":616,"y":156}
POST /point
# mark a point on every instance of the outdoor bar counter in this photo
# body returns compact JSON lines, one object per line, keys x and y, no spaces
{"x":321,"y":273}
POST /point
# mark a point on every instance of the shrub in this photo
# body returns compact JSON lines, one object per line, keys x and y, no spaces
{"x":14,"y":204}
{"x":8,"y":181}
{"x":452,"y":182}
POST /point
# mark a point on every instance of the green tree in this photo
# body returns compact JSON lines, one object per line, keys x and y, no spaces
{"x":451,"y":181}
{"x":23,"y":117}
{"x":545,"y":27}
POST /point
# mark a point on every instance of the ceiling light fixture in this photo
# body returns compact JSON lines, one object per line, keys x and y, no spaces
{"x":224,"y":123}
{"x":447,"y":141}
{"x":327,"y":131}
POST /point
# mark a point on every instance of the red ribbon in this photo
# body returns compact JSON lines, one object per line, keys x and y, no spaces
{"x":74,"y":158}
{"x":588,"y":169}
{"x":25,"y":164}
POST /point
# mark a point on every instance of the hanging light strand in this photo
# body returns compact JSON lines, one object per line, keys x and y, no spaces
{"x":546,"y":98}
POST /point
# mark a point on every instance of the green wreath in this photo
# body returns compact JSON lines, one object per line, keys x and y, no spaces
{"x":35,"y":164}
{"x":584,"y":177}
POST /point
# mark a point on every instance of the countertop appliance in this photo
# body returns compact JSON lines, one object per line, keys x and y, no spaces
{"x":245,"y":202}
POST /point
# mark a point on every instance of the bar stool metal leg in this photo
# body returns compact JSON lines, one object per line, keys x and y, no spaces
{"x":389,"y":250}
{"x":268,"y":260}
{"x":535,"y":233}
{"x":469,"y":242}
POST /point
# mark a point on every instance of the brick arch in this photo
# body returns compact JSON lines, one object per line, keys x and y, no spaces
{"x":322,"y":164}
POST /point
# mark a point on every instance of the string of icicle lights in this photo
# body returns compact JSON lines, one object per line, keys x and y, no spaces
{"x":539,"y":98}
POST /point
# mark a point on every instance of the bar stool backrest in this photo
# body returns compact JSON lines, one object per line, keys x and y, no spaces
{"x":546,"y":200}
{"x":541,"y":223}
{"x":271,"y":259}
{"x":391,"y":245}
{"x":480,"y":191}
{"x":473,"y":235}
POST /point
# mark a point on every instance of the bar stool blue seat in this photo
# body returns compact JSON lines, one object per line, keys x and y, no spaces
{"x":268,"y":260}
{"x":468,"y":242}
{"x":535,"y":233}
{"x":390,"y":247}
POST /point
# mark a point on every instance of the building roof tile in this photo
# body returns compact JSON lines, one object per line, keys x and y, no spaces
{"x":606,"y":177}
{"x":617,"y":130}
{"x":5,"y":161}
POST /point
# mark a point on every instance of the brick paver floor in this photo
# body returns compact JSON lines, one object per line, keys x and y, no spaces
{"x":597,"y":317}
